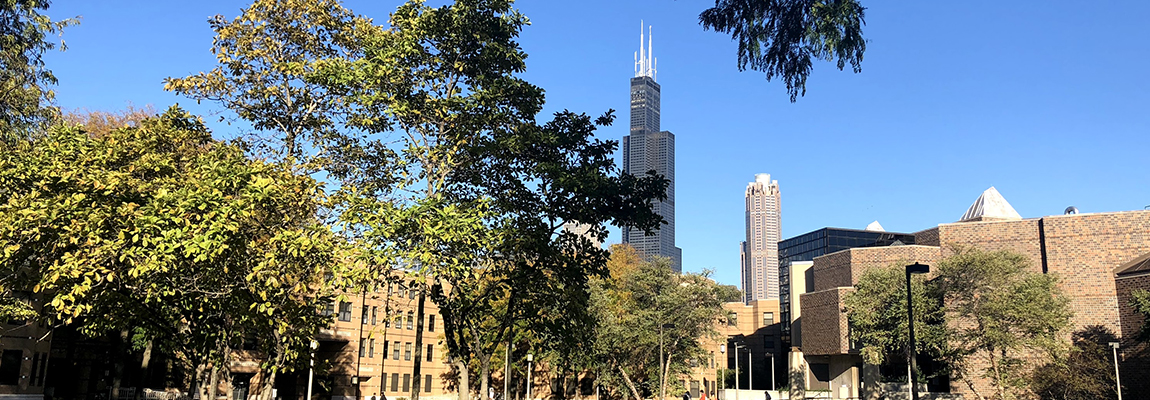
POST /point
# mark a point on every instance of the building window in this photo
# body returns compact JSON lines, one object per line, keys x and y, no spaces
{"x":406,"y":383}
{"x":407,"y":351}
{"x":344,"y":311}
{"x":430,"y":349}
{"x":10,"y":367}
{"x":362,"y":347}
{"x":427,"y":383}
{"x":395,"y":382}
{"x":329,"y":309}
{"x":399,"y":322}
{"x":395,"y":351}
{"x":371,"y":349}
{"x":768,"y":318}
{"x":363,"y":316}
{"x":373,"y":314}
{"x":410,"y":320}
{"x":39,"y":368}
{"x":384,"y":352}
{"x":431,"y":323}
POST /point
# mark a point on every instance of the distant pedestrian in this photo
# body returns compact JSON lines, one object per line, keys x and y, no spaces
{"x":768,"y":393}
{"x":686,"y":395}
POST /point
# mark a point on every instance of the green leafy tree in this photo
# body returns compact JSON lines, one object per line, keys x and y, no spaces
{"x":1141,"y":303}
{"x":451,"y":183}
{"x":643,"y":307}
{"x":159,"y":228}
{"x":982,"y":315}
{"x":1004,"y":317}
{"x":878,"y":316}
{"x":1084,"y":373}
{"x":783,"y":38}
{"x":25,"y":82}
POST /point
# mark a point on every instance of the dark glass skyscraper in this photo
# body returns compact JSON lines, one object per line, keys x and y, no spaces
{"x":646,"y":149}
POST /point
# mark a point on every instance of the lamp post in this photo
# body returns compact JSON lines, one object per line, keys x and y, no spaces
{"x":723,"y":370}
{"x":915,"y":268}
{"x":738,"y":386}
{"x":662,"y":370}
{"x":529,"y":359}
{"x":1117,"y":379}
{"x":311,"y":368}
{"x":772,"y":354}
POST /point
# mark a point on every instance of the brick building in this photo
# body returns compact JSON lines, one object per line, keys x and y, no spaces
{"x":1097,"y":257}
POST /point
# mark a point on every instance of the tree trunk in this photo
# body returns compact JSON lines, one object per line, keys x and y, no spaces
{"x":997,"y":376}
{"x":464,"y":384}
{"x":214,"y":386}
{"x":484,"y":376}
{"x":630,"y":385}
{"x":143,"y":379}
{"x":267,"y":385}
{"x":122,"y":350}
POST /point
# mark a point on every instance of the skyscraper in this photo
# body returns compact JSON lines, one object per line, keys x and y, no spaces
{"x":760,"y":252}
{"x":647,"y":148}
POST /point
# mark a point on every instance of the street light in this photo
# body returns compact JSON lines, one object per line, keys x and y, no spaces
{"x":662,"y":370}
{"x":737,"y":385}
{"x":529,"y":359}
{"x":723,"y":374}
{"x":1117,"y":379}
{"x":915,"y":268}
{"x":311,"y":368}
{"x":772,"y":354}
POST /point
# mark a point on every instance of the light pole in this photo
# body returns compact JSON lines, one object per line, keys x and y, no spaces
{"x":1117,"y":379}
{"x":529,"y":359}
{"x":311,"y":368}
{"x":723,"y":374}
{"x":738,"y":386}
{"x":772,"y":354}
{"x":662,"y":370}
{"x":915,"y":268}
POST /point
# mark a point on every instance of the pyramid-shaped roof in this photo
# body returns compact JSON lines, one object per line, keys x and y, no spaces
{"x":875,"y":227}
{"x":990,"y":206}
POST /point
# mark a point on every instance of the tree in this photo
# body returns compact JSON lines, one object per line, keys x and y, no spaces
{"x":445,"y":176}
{"x":25,"y":82}
{"x":265,"y":57}
{"x":1002,"y":316}
{"x":632,"y":306}
{"x":878,"y":317}
{"x":983,"y":315}
{"x":1084,"y":373}
{"x":100,"y":123}
{"x":782,"y":38}
{"x":1141,"y":303}
{"x":159,"y":228}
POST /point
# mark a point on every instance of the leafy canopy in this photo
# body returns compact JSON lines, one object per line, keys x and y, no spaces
{"x":783,"y":38}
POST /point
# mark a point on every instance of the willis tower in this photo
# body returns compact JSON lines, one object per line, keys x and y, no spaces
{"x":647,"y":148}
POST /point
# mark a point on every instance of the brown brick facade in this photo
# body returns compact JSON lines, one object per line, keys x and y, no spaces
{"x":844,"y":268}
{"x":1082,"y":249}
{"x":824,"y":323}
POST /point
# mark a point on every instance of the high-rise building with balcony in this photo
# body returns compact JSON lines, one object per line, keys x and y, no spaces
{"x":648,"y":149}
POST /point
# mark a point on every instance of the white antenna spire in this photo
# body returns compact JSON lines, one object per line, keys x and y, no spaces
{"x":645,"y":59}
{"x":650,"y":53}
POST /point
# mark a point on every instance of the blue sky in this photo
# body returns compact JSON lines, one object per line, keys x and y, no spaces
{"x":1049,"y":101}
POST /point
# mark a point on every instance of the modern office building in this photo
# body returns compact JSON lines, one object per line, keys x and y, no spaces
{"x":648,"y":149}
{"x":800,"y":250}
{"x":759,"y":253}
